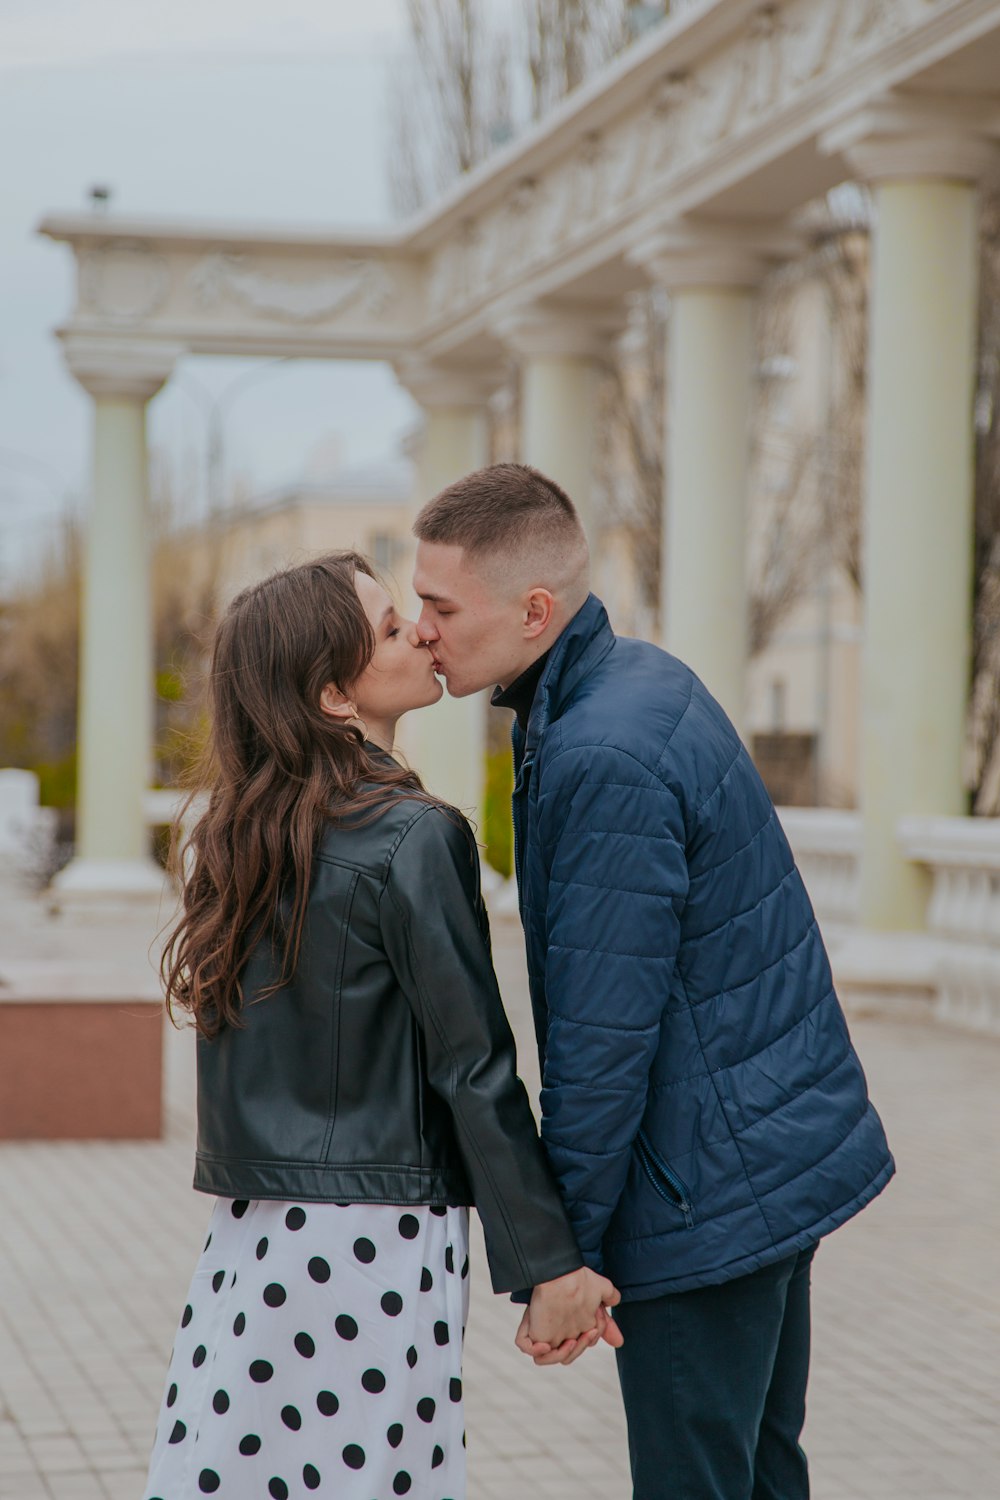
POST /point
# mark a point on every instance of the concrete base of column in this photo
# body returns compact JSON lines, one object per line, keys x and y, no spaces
{"x":96,"y":887}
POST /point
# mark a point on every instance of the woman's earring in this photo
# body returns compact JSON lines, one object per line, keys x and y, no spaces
{"x":358,"y":723}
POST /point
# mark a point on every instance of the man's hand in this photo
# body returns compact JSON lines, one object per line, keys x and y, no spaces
{"x":568,"y":1316}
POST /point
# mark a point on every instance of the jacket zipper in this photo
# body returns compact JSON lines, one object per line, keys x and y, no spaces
{"x":659,"y":1173}
{"x":518,"y":808}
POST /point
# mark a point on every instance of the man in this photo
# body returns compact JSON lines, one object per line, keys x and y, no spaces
{"x":702,"y":1106}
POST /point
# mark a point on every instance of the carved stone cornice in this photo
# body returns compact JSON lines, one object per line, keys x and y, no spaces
{"x":738,"y":87}
{"x":729,"y":109}
{"x":434,"y":385}
{"x":115,"y":366}
{"x":900,"y":137}
{"x":532,"y":330}
{"x":687,"y":254}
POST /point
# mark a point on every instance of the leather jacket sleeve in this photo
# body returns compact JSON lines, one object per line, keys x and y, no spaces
{"x":436,"y":937}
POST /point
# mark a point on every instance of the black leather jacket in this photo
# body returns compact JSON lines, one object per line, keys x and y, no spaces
{"x":385,"y":1071}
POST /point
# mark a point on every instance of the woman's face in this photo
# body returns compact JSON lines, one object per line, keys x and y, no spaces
{"x":401,"y":674}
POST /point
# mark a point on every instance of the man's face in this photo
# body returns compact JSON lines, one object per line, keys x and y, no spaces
{"x":475,"y":631}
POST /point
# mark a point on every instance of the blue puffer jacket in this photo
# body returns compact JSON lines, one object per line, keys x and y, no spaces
{"x":703,"y":1108}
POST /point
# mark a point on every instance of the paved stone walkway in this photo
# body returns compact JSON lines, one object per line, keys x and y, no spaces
{"x":97,"y":1243}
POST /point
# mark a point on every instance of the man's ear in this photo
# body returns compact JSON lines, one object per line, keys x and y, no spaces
{"x":333,"y":702}
{"x":539,"y":607}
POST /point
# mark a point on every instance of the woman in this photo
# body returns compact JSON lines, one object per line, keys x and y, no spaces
{"x":356,"y":1076}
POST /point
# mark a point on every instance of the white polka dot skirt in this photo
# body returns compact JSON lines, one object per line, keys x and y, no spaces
{"x":319,"y":1353}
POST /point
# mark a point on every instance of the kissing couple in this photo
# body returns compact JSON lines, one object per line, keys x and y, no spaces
{"x":704,"y":1118}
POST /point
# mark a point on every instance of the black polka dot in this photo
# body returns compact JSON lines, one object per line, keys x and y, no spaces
{"x":392,"y":1304}
{"x":319,"y":1269}
{"x":220,"y":1403}
{"x":441,"y":1334}
{"x":364,"y":1250}
{"x":305,"y":1345}
{"x":438,"y":1211}
{"x":207,"y":1243}
{"x":239,"y":1323}
{"x":292,"y":1417}
{"x":217,"y":1280}
{"x":172,"y":1395}
{"x":250,"y":1445}
{"x":198,"y":1357}
{"x":310,"y":1477}
{"x":437,"y":1457}
{"x":426,"y":1280}
{"x":277,"y":1489}
{"x":261,"y":1371}
{"x":409,"y":1226}
{"x":401,"y":1483}
{"x":186,"y":1316}
{"x":208,"y":1481}
{"x":274,"y":1294}
{"x":455,"y":1389}
{"x":411,"y":1356}
{"x":354,"y":1456}
{"x":327,"y":1404}
{"x":395,"y":1434}
{"x":373,"y":1381}
{"x":425,"y":1408}
{"x":465,"y":1266}
{"x":449,"y":1259}
{"x":240,"y":1207}
{"x":295,"y":1218}
{"x":233,"y":1282}
{"x":178,"y":1434}
{"x":262,"y":1248}
{"x":346,"y":1327}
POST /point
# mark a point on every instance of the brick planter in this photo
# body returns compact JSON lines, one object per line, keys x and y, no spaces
{"x":78,"y":1066}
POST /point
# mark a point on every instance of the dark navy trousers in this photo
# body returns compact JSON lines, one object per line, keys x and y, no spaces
{"x":714,"y":1382}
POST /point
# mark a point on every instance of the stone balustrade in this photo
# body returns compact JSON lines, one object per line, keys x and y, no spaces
{"x":963,"y":914}
{"x":951,"y":970}
{"x":827,"y":847}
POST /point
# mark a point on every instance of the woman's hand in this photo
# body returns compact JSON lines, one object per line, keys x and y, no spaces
{"x":568,"y":1316}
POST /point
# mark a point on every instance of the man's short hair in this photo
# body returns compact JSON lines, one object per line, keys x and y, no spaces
{"x":507,"y":515}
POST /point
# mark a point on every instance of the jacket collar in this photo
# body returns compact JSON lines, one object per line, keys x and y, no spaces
{"x":584,"y":643}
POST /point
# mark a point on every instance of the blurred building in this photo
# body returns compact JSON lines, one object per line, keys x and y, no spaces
{"x":365,"y":509}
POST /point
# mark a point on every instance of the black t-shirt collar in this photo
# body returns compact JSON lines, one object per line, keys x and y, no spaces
{"x":521,"y":693}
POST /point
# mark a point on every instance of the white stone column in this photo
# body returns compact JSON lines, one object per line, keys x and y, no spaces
{"x":560,"y":354}
{"x":113,"y":859}
{"x":918,"y":540}
{"x":446,"y":743}
{"x":711,"y":275}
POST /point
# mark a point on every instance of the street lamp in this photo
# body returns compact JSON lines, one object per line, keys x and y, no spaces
{"x":215,"y":405}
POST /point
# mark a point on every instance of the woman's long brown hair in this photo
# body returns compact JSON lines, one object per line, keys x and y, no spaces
{"x":278,"y":771}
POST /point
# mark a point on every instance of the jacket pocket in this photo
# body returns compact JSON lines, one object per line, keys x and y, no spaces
{"x":664,"y":1179}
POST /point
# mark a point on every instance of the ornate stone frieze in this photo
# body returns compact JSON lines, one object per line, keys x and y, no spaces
{"x":730,"y":92}
{"x":689,"y":119}
{"x":124,"y":281}
{"x":225,"y":276}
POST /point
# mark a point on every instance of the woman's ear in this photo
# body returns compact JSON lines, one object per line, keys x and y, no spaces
{"x":333,"y":703}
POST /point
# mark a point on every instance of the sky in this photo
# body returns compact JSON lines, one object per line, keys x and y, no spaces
{"x":200,"y":108}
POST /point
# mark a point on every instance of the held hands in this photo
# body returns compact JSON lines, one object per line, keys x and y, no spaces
{"x":568,"y":1316}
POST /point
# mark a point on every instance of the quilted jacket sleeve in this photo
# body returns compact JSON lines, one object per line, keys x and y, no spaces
{"x":612,"y":838}
{"x":435,"y":934}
